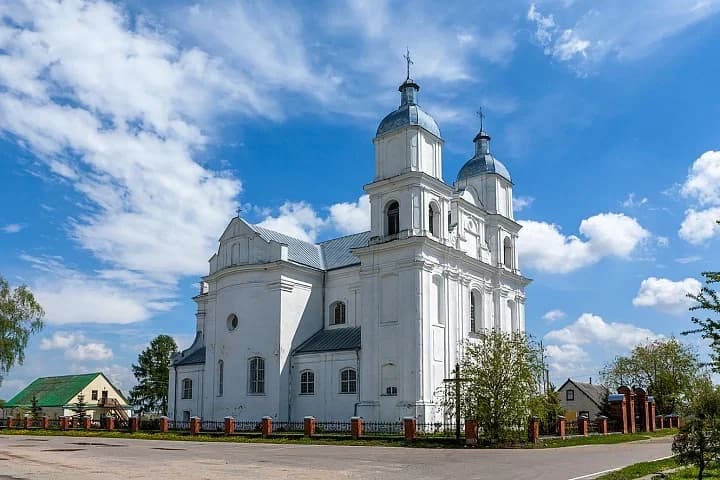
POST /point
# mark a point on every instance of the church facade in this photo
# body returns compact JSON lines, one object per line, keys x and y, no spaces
{"x":368,"y":324}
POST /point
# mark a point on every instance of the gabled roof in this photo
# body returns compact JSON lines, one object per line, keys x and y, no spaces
{"x":54,"y":391}
{"x":596,"y":393}
{"x":198,"y":356}
{"x":331,"y":340}
{"x":327,"y":255}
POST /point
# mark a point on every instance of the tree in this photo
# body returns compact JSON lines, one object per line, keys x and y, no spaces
{"x":80,"y":407}
{"x":666,"y":369}
{"x":35,"y":410}
{"x":708,"y":299}
{"x":152,"y":373}
{"x":20,"y":316}
{"x":502,"y":374}
{"x":698,"y":441}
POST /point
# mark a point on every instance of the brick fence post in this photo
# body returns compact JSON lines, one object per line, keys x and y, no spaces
{"x":618,"y":411}
{"x":410,"y":427}
{"x":651,"y":413}
{"x":471,"y":432}
{"x":267,"y":427}
{"x":561,"y":426}
{"x":27,"y":423}
{"x":45,"y":422}
{"x":11,"y":422}
{"x":87,"y":423}
{"x":659,"y":419}
{"x":134,"y":424}
{"x":629,"y":407}
{"x":110,"y":423}
{"x":164,"y":424}
{"x":678,"y":421}
{"x":195,"y":425}
{"x":602,"y":425}
{"x":229,"y":427}
{"x":356,"y":427}
{"x":534,"y":430}
{"x":583,"y":426}
{"x":309,"y":426}
{"x":62,"y":423}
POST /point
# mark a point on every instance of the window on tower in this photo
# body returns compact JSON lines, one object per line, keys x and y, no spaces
{"x":337,"y":311}
{"x":473,"y":312}
{"x":433,"y":219}
{"x":507,"y":252}
{"x":393,"y":218}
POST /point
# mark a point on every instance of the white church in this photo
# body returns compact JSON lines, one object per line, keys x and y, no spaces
{"x":368,"y":324}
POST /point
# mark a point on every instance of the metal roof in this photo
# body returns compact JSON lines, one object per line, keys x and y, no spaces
{"x":332,"y":340}
{"x":483,"y":161}
{"x":337,"y":252}
{"x":52,"y":391}
{"x":198,"y":356}
{"x":299,"y":251}
{"x":410,"y":114}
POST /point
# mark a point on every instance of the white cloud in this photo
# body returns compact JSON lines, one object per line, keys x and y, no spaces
{"x":666,"y":295}
{"x":351,"y":217}
{"x":90,"y":351}
{"x":662,"y":242}
{"x":297,"y":219}
{"x":700,"y":226}
{"x":521,"y":203}
{"x":612,"y":29}
{"x":630,"y":201}
{"x":703,"y":181}
{"x":689,"y":259}
{"x":567,"y":360}
{"x":61,"y":341}
{"x":592,"y":329}
{"x":542,"y":246}
{"x":117,"y":110}
{"x":554,"y":315}
{"x":703,"y":186}
{"x":12,"y":228}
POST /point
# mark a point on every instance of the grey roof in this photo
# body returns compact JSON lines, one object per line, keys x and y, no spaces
{"x":299,"y":251}
{"x":595,"y":392}
{"x":198,"y":356}
{"x":410,"y":114}
{"x":483,"y":161}
{"x":332,"y":340}
{"x":327,"y":255}
{"x":337,"y":254}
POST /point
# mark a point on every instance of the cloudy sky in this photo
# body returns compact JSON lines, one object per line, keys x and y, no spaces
{"x":129,"y":136}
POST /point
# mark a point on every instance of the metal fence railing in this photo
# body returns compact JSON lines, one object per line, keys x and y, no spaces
{"x":384,"y":428}
{"x":248,"y":426}
{"x":438,"y":429}
{"x":212,"y":426}
{"x":333,"y":427}
{"x":288,"y":427}
{"x":179,"y":425}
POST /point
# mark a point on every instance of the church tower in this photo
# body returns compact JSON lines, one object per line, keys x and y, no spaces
{"x":408,"y":196}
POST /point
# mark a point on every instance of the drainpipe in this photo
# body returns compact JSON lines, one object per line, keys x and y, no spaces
{"x":357,"y":377}
{"x":290,"y":379}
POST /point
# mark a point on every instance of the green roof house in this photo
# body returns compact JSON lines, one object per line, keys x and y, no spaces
{"x":58,"y":395}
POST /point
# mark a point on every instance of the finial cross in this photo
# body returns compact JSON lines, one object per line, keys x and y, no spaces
{"x":409,"y":61}
{"x":238,"y":210}
{"x":481,"y":115}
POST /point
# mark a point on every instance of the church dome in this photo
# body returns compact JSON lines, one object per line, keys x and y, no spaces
{"x":483,"y":161}
{"x":408,"y":113}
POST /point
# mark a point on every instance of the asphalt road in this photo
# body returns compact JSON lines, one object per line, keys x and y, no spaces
{"x":78,"y":458}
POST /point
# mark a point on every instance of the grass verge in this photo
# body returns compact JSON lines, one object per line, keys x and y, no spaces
{"x":692,"y":473}
{"x":604,"y":439}
{"x":640,"y":470}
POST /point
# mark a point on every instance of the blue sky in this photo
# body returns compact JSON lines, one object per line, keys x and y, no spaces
{"x":129,"y":136}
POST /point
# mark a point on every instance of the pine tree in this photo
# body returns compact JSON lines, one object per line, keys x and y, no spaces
{"x":35,"y":410}
{"x":80,"y":407}
{"x":153,"y":372}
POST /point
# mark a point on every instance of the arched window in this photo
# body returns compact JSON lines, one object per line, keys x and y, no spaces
{"x":220,"y":374}
{"x":186,"y":389}
{"x":307,"y":382}
{"x":338,"y":313}
{"x":507,"y":252}
{"x":232,"y":321}
{"x":431,"y":220}
{"x":257,"y":376}
{"x":389,"y":380}
{"x":473,"y":311}
{"x":348,"y":380}
{"x":393,"y":218}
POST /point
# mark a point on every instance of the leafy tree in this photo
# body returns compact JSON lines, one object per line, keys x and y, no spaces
{"x":20,"y":316}
{"x":153,"y":372}
{"x":2,"y":403}
{"x":501,"y":373}
{"x":698,"y":442}
{"x":80,"y":407}
{"x":35,"y":410}
{"x":667,"y":369}
{"x":708,"y":299}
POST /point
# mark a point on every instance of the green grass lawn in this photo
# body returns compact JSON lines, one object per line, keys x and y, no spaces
{"x":692,"y":473}
{"x":605,"y":439}
{"x":640,"y":470}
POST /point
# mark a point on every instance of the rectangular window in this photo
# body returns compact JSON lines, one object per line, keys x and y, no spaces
{"x":94,"y":395}
{"x":187,"y":389}
{"x":391,"y":391}
{"x":570,"y":395}
{"x":348,"y":381}
{"x":257,"y":376}
{"x":307,"y":383}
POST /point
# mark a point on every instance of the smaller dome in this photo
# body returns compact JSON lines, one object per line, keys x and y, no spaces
{"x":409,"y":114}
{"x":483,"y":161}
